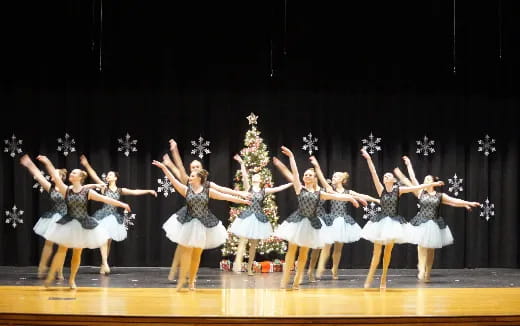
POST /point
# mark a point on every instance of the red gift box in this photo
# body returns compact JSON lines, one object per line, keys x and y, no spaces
{"x":225,"y":265}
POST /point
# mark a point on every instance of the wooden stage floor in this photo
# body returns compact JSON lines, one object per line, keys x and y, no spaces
{"x":34,"y":305}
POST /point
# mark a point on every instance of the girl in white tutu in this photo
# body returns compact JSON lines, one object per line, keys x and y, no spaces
{"x":428,"y":229}
{"x":108,"y":215}
{"x":76,"y":229}
{"x":387,"y":227}
{"x":194,"y":227}
{"x":303,"y":228}
{"x":179,"y":171}
{"x":252,"y":224}
{"x":342,"y":226}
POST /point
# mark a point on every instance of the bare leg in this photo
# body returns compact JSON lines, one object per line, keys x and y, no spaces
{"x":315,"y":253}
{"x":195,"y":263}
{"x":324,"y":257}
{"x":290,"y":255}
{"x":57,"y":263}
{"x":429,"y":263}
{"x":237,"y":264}
{"x":44,"y":259}
{"x":184,"y":254}
{"x":252,"y":252}
{"x":386,"y":262}
{"x":104,"y":259}
{"x":422,"y":255}
{"x":376,"y":256}
{"x":336,"y":257}
{"x":74,"y":266}
{"x":176,"y":261}
{"x":302,"y":260}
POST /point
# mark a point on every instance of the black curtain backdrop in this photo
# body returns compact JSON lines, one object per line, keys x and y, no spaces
{"x":184,"y":70}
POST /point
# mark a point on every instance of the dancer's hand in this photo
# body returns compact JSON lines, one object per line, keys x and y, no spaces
{"x":354,"y":203}
{"x":158,"y":164}
{"x":406,"y":160}
{"x":238,"y":158}
{"x":173,"y":144}
{"x":365,"y":154}
{"x":42,"y":158}
{"x":362,"y":201}
{"x":287,"y":152}
{"x":313,"y":160}
{"x":153,"y":193}
{"x":438,"y":184}
{"x":25,"y":160}
{"x":126,"y":207}
{"x":83,"y":160}
{"x":166,"y":159}
{"x":245,"y":194}
{"x":277,"y":162}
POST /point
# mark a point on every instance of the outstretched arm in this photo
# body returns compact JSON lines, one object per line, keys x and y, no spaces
{"x":277,"y":189}
{"x":357,"y":195}
{"x":283,"y":169}
{"x":91,"y":172}
{"x":168,"y":162}
{"x":243,"y":169}
{"x":342,"y":197}
{"x":411,"y":172}
{"x":92,"y":195}
{"x":178,"y":161}
{"x":26,"y":161}
{"x":294,"y":169}
{"x":400,"y":175}
{"x":404,"y":190}
{"x":138,"y":192}
{"x":373,"y":172}
{"x":455,"y":202}
{"x":180,"y":187}
{"x":53,"y":172}
{"x":220,"y":196}
{"x":320,"y":175}
{"x":229,"y":191}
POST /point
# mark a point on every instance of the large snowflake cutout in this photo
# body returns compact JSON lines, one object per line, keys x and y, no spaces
{"x":201,"y":147}
{"x":455,"y":185}
{"x":14,"y":217}
{"x":425,"y":146}
{"x":487,"y":209}
{"x":371,"y":210}
{"x":66,"y":144}
{"x":13,"y":146}
{"x":37,"y":185}
{"x":371,"y":144}
{"x":165,"y":186}
{"x":127,"y":145}
{"x":487,"y":145}
{"x":310,"y":143}
{"x":128,"y":219}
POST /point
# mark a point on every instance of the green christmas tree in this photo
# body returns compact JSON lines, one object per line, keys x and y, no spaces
{"x":256,"y":157}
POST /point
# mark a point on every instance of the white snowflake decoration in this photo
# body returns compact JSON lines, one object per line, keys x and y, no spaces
{"x":13,"y":146}
{"x":165,"y":186}
{"x":425,"y":146}
{"x":371,"y":210}
{"x":66,"y":144}
{"x":371,"y":144}
{"x":487,"y":209}
{"x":201,"y":147}
{"x":310,"y":143}
{"x":14,"y":217}
{"x":37,"y":185}
{"x":127,"y":145}
{"x":487,"y":145}
{"x":455,"y":185}
{"x":129,"y":219}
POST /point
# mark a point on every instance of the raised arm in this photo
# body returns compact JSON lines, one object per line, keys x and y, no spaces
{"x":373,"y":172}
{"x":400,"y":175}
{"x":320,"y":175}
{"x":91,"y":172}
{"x":341,"y":197}
{"x":174,"y":149}
{"x":221,"y":196}
{"x":277,"y":189}
{"x":455,"y":202}
{"x":53,"y":172}
{"x":26,"y":161}
{"x":294,"y":170}
{"x":283,"y":169}
{"x":357,"y":195}
{"x":229,"y":191}
{"x":179,"y":187}
{"x":243,"y":169}
{"x":138,"y":192}
{"x":168,"y":162}
{"x":92,"y":195}
{"x":404,"y":190}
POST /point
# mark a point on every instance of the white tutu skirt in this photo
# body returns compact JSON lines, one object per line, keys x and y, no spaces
{"x":385,"y":231}
{"x":116,"y":230}
{"x":344,"y":232}
{"x":251,"y":228}
{"x":327,"y":233}
{"x":194,"y":234}
{"x":73,"y":235}
{"x":301,"y":233}
{"x":429,"y":235}
{"x":43,"y":224}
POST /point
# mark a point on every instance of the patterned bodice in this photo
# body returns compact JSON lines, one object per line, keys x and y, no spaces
{"x":77,"y":203}
{"x":430,"y":205}
{"x":109,"y":209}
{"x":59,"y":202}
{"x":257,"y":200}
{"x":390,"y":202}
{"x":308,"y":203}
{"x":341,"y":208}
{"x":197,"y":203}
{"x":321,"y":211}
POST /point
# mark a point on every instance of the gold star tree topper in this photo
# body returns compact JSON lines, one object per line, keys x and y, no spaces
{"x":252,"y":118}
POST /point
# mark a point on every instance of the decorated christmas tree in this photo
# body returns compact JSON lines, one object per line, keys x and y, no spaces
{"x":256,"y":157}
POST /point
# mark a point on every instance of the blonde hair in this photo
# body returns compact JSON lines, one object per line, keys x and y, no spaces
{"x":83,"y":175}
{"x":203,"y":175}
{"x":344,"y":177}
{"x":62,"y":173}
